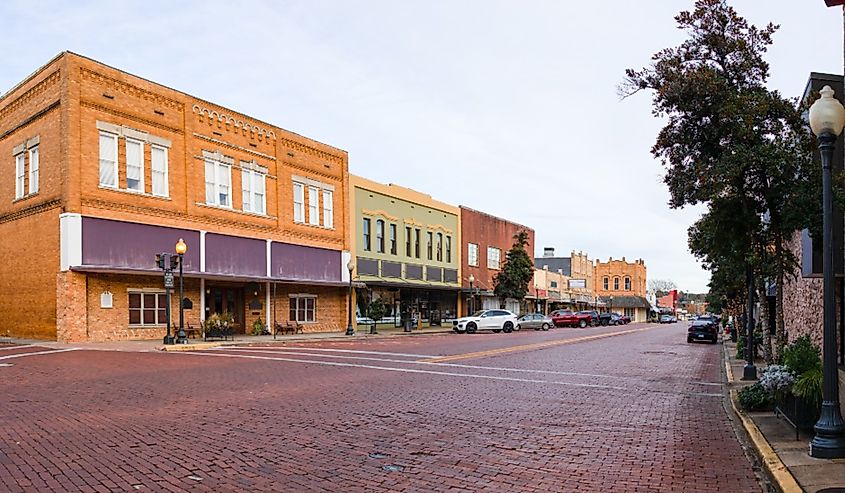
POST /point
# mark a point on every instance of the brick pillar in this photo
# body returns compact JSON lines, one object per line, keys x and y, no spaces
{"x":71,"y":307}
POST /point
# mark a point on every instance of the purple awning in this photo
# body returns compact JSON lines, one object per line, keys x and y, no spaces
{"x":121,"y":244}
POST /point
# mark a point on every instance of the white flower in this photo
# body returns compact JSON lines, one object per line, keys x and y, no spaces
{"x":777,"y":378}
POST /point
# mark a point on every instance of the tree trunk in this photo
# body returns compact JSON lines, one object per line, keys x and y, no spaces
{"x":764,"y":325}
{"x":780,"y":331}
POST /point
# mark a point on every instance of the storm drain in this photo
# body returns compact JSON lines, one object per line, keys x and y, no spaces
{"x":393,"y":468}
{"x":378,"y":455}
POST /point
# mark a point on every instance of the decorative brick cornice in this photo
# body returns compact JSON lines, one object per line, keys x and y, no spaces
{"x":130,"y":89}
{"x":24,"y":98}
{"x":413,"y":222}
{"x":233,"y":146}
{"x":231,"y":124}
{"x":31,"y":210}
{"x":440,"y":227}
{"x":306,"y":149}
{"x":307,"y":171}
{"x":128,"y":116}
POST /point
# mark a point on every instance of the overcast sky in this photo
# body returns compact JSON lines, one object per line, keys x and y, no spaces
{"x":507,"y":107}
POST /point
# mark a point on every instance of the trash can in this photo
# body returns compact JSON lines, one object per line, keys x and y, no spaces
{"x":408,"y":324}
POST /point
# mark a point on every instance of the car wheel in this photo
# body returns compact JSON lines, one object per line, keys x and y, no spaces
{"x":582,"y":323}
{"x":471,"y":328}
{"x":508,"y":327}
{"x":545,"y":326}
{"x":604,"y":323}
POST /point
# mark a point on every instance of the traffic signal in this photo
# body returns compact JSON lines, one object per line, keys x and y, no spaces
{"x":160,"y":260}
{"x":174,"y":262}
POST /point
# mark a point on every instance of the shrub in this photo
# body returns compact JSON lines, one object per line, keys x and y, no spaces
{"x":777,"y":378}
{"x":755,"y":398}
{"x":808,"y":386}
{"x":801,"y":356}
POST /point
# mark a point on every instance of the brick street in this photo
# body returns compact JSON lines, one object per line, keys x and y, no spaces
{"x":530,"y":411}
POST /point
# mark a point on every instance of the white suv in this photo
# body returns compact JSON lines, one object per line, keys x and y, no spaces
{"x":495,"y":320}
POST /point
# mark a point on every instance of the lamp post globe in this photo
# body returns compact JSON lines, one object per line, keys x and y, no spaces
{"x":350,"y":266}
{"x":181,"y":249}
{"x":827,"y":117}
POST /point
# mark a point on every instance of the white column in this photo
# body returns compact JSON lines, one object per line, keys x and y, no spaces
{"x":269,"y":262}
{"x":267,"y":317}
{"x":70,"y":237}
{"x":202,"y":251}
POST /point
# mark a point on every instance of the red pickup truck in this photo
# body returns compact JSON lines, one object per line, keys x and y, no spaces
{"x":566,"y":318}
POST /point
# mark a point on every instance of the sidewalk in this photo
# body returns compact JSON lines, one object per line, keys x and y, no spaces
{"x":787,"y":460}
{"x":240,"y":340}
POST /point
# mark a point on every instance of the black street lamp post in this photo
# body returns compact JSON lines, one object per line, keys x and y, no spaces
{"x":181,"y":248}
{"x":610,"y":310}
{"x":167,"y":262}
{"x":827,"y":117}
{"x":471,"y":295}
{"x":350,"y":331}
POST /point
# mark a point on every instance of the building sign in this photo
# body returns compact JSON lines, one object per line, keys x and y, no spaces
{"x":106,"y":299}
{"x":577,"y":283}
{"x":168,"y":280}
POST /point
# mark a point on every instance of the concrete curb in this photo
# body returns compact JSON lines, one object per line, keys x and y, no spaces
{"x":781,"y":477}
{"x":189,"y":347}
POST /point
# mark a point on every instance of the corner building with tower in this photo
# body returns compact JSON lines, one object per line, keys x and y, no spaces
{"x":104,"y":170}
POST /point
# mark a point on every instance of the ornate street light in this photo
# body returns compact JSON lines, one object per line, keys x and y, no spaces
{"x":827,"y":117}
{"x":181,"y":248}
{"x":350,"y":266}
{"x":471,"y":295}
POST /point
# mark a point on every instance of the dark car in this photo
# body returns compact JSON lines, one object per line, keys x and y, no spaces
{"x":703,"y":330}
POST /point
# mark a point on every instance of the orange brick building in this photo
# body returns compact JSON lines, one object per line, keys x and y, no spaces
{"x":621,"y":286}
{"x":104,"y":170}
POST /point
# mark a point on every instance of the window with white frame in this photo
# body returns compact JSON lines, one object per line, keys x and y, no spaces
{"x":159,"y":155}
{"x":303,"y":308}
{"x":448,"y":249}
{"x":298,"y":202}
{"x":33,"y":169}
{"x":253,"y":188}
{"x":440,"y":247}
{"x":493,"y":257}
{"x":366,"y":231}
{"x":20,"y":174}
{"x":616,"y":284}
{"x":134,"y":165}
{"x":605,"y":283}
{"x":328,"y":209}
{"x":393,"y":239}
{"x":627,"y":284}
{"x":218,"y":179}
{"x":472,"y":254}
{"x":379,"y":236}
{"x":313,"y":206}
{"x":147,"y":308}
{"x":108,"y":160}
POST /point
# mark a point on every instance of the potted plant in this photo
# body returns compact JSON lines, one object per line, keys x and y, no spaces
{"x":257,"y":327}
{"x":802,"y":404}
{"x":376,"y":311}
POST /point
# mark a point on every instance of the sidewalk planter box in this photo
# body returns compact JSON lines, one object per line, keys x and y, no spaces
{"x":798,"y":412}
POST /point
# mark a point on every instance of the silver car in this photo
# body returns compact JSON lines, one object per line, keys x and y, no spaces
{"x":536,"y":321}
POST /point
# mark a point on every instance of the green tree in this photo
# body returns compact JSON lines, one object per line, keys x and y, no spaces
{"x":518,"y":270}
{"x":731,"y":144}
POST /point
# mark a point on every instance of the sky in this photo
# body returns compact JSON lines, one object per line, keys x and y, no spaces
{"x":509,"y":107}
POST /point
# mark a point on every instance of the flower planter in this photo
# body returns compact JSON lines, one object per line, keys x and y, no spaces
{"x":797,"y":412}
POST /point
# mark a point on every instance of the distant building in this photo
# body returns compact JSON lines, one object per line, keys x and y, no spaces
{"x":621,"y":287}
{"x":577,"y":269}
{"x":669,"y":302}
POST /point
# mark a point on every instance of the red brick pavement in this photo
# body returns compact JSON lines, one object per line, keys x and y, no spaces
{"x":110,"y":421}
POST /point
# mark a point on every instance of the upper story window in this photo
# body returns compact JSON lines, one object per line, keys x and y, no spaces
{"x":328,"y":209}
{"x":254,"y":191}
{"x":553,"y":284}
{"x":627,"y":284}
{"x":33,"y":169}
{"x":417,"y":242}
{"x":218,"y":182}
{"x":316,"y":190}
{"x":493,"y":257}
{"x":20,"y":174}
{"x":448,"y":249}
{"x":605,"y":283}
{"x":298,"y":202}
{"x":313,"y":206}
{"x":366,"y":230}
{"x":430,"y":236}
{"x":134,"y":165}
{"x":472,"y":254}
{"x":440,"y":247}
{"x":134,"y":144}
{"x":379,"y":236}
{"x":393,"y":239}
{"x":616,"y":284}
{"x":407,"y":241}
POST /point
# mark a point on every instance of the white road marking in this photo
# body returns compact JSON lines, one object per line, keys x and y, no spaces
{"x":16,"y":347}
{"x":52,"y":351}
{"x":327,"y":350}
{"x":402,"y":370}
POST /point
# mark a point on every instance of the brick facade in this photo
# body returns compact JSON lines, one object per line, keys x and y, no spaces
{"x":62,"y":109}
{"x":620,"y":270}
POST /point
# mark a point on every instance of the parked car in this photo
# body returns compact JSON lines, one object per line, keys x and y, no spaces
{"x":536,"y":321}
{"x":666,"y":319}
{"x":625,"y":319}
{"x":566,"y":318}
{"x":703,"y":330}
{"x":495,"y":320}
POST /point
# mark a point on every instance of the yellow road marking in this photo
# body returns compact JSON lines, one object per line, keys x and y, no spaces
{"x":531,"y":347}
